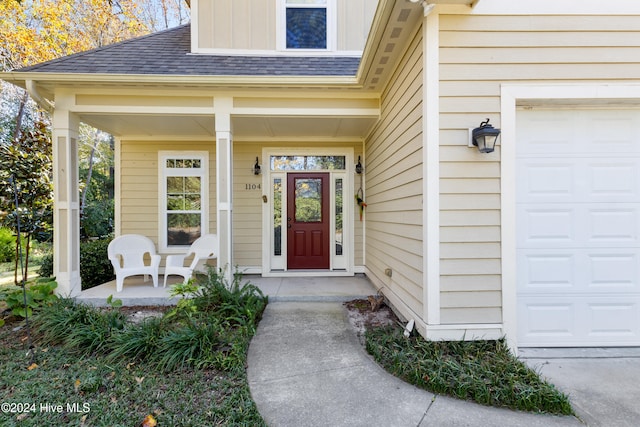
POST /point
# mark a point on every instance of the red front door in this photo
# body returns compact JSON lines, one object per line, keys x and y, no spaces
{"x":308,"y":221}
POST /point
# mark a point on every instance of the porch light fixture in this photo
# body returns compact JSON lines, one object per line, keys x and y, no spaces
{"x":256,"y":168}
{"x":359,"y":166}
{"x":484,"y":137}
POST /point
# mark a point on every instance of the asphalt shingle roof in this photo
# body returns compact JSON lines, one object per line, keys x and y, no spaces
{"x":168,"y":53}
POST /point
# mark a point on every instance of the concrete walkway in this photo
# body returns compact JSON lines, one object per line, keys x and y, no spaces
{"x":307,"y":368}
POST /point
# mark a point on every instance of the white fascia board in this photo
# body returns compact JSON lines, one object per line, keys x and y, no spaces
{"x":146,"y":79}
{"x":551,"y":7}
{"x":313,"y":53}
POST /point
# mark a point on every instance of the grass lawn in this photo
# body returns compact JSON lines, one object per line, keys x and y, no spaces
{"x":94,"y":367}
{"x":92,"y":391}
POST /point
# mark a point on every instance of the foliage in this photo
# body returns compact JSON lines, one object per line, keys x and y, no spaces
{"x":79,"y":328}
{"x":241,"y":304}
{"x":38,"y":295}
{"x":95,"y":267}
{"x":212,"y":329}
{"x":7,"y":245}
{"x":184,"y":397}
{"x":96,"y":173}
{"x":26,"y":175}
{"x":147,"y":367}
{"x":185,"y":307}
{"x":46,"y":266}
{"x":483,"y":371}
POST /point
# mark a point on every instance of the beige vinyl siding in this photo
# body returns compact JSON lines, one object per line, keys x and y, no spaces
{"x":394,"y":187}
{"x":354,"y":22}
{"x":237,"y":24}
{"x":139,"y":184}
{"x":251,"y":24}
{"x":247,"y":204}
{"x":478,"y":54}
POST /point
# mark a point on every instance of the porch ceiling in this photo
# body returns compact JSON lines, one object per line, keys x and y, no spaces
{"x":198,"y":126}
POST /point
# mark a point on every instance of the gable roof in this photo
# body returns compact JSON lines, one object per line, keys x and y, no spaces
{"x":169,"y":53}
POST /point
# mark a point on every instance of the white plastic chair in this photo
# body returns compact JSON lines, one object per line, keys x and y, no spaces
{"x":127,"y":253}
{"x":204,"y":248}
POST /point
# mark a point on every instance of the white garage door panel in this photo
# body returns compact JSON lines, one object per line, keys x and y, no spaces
{"x":576,"y":271}
{"x":578,"y":321}
{"x":582,"y":132}
{"x":578,"y":227}
{"x":578,"y":180}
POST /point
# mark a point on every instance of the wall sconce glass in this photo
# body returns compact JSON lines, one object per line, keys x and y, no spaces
{"x":359,"y":166}
{"x":256,"y":168}
{"x":484,"y":137}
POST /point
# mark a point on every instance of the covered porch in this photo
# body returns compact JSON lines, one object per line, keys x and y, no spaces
{"x":137,"y":292}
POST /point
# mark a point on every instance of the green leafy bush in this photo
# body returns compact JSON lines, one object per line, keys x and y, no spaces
{"x":38,"y":294}
{"x":238,"y":303}
{"x":7,"y":245}
{"x":46,"y":265}
{"x":95,"y":267}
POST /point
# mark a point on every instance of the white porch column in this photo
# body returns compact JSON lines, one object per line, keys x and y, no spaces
{"x":224,"y":184}
{"x":66,"y":206}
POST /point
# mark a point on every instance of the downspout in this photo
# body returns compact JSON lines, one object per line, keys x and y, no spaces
{"x":32,"y":89}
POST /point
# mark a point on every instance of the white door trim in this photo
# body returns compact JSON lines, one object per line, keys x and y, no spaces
{"x":348,"y":210}
{"x":511,"y":96}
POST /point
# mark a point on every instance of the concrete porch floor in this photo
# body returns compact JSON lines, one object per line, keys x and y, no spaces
{"x":137,"y":292}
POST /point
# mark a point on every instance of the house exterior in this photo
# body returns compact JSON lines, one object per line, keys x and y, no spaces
{"x":538,"y":241}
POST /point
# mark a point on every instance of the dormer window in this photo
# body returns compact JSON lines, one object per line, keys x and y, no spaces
{"x":308,"y":24}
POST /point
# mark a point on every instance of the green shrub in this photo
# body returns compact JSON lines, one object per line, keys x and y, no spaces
{"x":38,"y":294}
{"x":7,"y":245}
{"x":95,"y":267}
{"x":237,"y":303}
{"x":46,"y":266}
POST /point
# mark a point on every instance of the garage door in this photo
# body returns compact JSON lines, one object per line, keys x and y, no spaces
{"x":578,"y":227}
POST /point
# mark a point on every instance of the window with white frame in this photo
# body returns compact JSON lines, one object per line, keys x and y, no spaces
{"x":308,"y":24}
{"x":183,"y":198}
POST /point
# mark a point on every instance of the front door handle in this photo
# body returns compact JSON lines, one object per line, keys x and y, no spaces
{"x":288,"y":225}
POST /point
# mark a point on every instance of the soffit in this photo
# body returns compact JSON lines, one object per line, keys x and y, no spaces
{"x":244,"y":127}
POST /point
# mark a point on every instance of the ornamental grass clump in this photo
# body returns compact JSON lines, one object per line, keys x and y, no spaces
{"x":482,"y":371}
{"x":210,"y":327}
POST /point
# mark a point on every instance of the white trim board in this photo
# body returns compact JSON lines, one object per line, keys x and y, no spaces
{"x":552,"y":7}
{"x":513,"y":95}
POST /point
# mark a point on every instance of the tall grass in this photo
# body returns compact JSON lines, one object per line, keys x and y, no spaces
{"x":211,"y":327}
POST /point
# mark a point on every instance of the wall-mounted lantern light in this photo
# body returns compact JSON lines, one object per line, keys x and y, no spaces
{"x":359,"y":166}
{"x":256,"y":168}
{"x":484,"y":137}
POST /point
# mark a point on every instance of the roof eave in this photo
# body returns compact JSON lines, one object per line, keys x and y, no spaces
{"x":281,"y":81}
{"x":47,"y":82}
